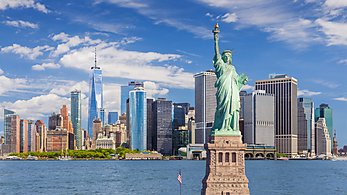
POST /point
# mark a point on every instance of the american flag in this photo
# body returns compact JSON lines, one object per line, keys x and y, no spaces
{"x":179,"y":177}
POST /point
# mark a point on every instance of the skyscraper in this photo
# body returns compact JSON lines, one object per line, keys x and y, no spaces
{"x":95,"y":96}
{"x":125,"y":93}
{"x":323,"y":140}
{"x":12,"y":130}
{"x":284,"y":89}
{"x":205,"y":105}
{"x":150,"y":129}
{"x":324,"y":111}
{"x":112,"y":118}
{"x":76,"y":116}
{"x":6,"y":131}
{"x":31,"y":136}
{"x":180,"y":111}
{"x":64,"y":111}
{"x":259,"y":118}
{"x":162,"y":125}
{"x":138,"y":118}
{"x":306,"y":129}
{"x":42,"y":131}
{"x":24,"y":135}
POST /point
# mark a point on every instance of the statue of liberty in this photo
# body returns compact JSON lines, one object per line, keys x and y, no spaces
{"x":228,"y":84}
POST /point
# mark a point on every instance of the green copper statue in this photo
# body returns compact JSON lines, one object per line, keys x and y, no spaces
{"x":228,"y":84}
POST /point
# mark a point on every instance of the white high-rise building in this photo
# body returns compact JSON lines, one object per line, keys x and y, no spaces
{"x":259,"y":118}
{"x":323,"y":140}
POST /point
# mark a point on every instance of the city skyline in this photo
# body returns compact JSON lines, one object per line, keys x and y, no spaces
{"x":51,"y":51}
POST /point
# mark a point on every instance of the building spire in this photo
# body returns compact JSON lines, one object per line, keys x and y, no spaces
{"x":95,"y":57}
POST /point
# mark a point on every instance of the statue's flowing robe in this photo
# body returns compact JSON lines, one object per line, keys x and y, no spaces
{"x":227,"y":95}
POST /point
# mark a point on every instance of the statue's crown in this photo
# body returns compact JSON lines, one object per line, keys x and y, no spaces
{"x":227,"y":51}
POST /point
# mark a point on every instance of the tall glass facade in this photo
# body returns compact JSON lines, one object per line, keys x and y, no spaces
{"x":138,"y":118}
{"x":306,"y":132}
{"x":76,"y":116}
{"x":125,"y":93}
{"x":324,"y":111}
{"x":7,"y":132}
{"x":95,"y":97}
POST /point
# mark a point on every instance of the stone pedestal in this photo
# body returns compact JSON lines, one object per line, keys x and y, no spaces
{"x":225,"y":167}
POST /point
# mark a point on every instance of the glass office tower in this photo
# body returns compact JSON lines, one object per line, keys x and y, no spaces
{"x":95,"y":96}
{"x":138,"y":118}
{"x":76,"y":116}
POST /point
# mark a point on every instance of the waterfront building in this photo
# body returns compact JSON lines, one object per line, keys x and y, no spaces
{"x":180,"y":110}
{"x":31,"y":135}
{"x":284,"y":89}
{"x":58,"y":139}
{"x":65,"y":114}
{"x":97,"y":128}
{"x":323,"y":141}
{"x":324,"y":111}
{"x":95,"y":104}
{"x":42,"y":136}
{"x":306,"y":129}
{"x":162,"y":125}
{"x":24,"y":135}
{"x":150,"y":129}
{"x":111,"y":136}
{"x":138,"y":119}
{"x":112,"y":118}
{"x":76,"y":116}
{"x":190,"y":118}
{"x":180,"y":138}
{"x":205,"y":105}
{"x":335,"y":150}
{"x":125,"y":93}
{"x":54,"y":121}
{"x":12,"y":131}
{"x":2,"y":140}
{"x":259,"y":118}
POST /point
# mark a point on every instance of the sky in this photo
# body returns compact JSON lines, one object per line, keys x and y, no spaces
{"x":47,"y":49}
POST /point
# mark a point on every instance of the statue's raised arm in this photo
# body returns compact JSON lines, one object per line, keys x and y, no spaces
{"x":216,"y":39}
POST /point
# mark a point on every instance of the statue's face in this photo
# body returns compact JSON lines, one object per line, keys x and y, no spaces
{"x":227,"y":58}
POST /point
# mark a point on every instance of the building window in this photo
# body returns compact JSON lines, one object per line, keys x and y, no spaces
{"x":233,"y":157}
{"x":227,"y":157}
{"x":228,"y":193}
{"x":220,"y":157}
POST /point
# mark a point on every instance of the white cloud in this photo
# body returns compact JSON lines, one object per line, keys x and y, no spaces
{"x":21,"y":24}
{"x":153,"y":90}
{"x":209,"y":15}
{"x":64,"y":90}
{"x":344,"y":61}
{"x":11,"y":85}
{"x":26,"y":52}
{"x":247,"y":87}
{"x":6,"y":4}
{"x":137,"y":65}
{"x":335,"y":3}
{"x":44,"y":66}
{"x":1,"y":72}
{"x":229,"y":17}
{"x":334,"y":31}
{"x":269,"y":16}
{"x":343,"y":99}
{"x":37,"y":107}
{"x":69,"y":42}
{"x":308,"y":93}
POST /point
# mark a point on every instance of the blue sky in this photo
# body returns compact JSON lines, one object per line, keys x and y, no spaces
{"x":46,"y":48}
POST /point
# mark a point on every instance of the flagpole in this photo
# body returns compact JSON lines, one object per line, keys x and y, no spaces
{"x":180,"y":184}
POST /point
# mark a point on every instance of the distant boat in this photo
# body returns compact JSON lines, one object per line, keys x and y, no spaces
{"x":282,"y":158}
{"x":13,"y":158}
{"x":64,"y":158}
{"x":32,"y":158}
